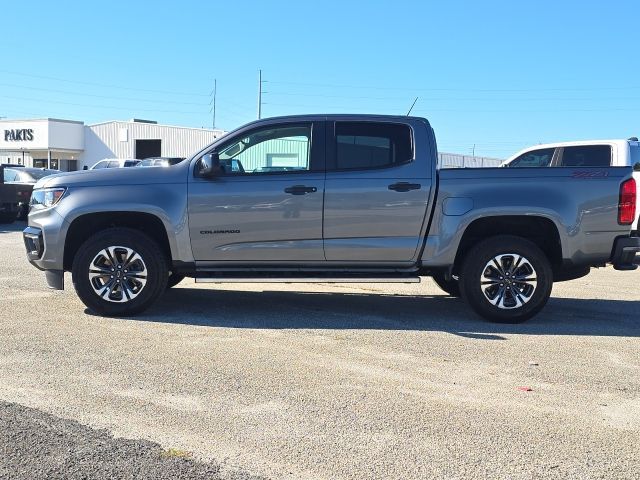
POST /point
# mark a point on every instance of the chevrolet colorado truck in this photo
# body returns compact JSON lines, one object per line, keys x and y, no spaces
{"x":331,"y":198}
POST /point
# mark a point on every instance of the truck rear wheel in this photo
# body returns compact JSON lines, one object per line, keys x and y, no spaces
{"x":119,"y":272}
{"x":451,"y":286}
{"x":506,"y":279}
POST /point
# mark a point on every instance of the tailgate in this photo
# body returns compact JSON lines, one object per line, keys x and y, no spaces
{"x":636,"y":176}
{"x":634,"y":158}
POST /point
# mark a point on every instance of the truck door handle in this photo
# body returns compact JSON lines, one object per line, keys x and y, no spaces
{"x":404,"y":186}
{"x":300,"y":190}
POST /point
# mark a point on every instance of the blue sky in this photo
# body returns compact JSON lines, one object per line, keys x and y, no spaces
{"x":500,"y":75}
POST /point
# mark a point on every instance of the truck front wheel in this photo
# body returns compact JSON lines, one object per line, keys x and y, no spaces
{"x":506,"y":279}
{"x":119,"y":272}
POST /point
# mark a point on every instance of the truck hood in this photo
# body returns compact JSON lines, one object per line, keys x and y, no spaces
{"x":117,"y":176}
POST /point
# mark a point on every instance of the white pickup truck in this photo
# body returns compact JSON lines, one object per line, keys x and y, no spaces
{"x":585,"y":153}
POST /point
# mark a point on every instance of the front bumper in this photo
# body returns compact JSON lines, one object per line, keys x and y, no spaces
{"x":44,"y":244}
{"x":34,"y":243}
{"x":625,"y":253}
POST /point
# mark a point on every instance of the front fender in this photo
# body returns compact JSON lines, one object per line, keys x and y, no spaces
{"x":167,"y":202}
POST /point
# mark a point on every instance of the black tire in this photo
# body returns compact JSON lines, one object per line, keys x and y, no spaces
{"x":452,"y":286}
{"x":153,"y":261}
{"x":519,"y":300}
{"x":174,"y":279}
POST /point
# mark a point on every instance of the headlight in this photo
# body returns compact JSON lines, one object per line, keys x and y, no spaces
{"x":46,"y":197}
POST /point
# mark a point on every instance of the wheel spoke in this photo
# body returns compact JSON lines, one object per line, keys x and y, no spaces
{"x":516,"y":262}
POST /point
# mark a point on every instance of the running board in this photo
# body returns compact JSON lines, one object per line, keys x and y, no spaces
{"x":382,"y":279}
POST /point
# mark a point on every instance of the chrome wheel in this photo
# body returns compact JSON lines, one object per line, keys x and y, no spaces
{"x":117,"y":274}
{"x":508,"y":281}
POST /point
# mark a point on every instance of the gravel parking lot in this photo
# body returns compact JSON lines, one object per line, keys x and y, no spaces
{"x":323,"y":382}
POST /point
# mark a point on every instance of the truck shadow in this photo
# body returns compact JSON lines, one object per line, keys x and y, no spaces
{"x":375,"y":311}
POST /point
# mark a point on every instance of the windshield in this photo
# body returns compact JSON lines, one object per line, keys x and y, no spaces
{"x":26,"y":176}
{"x":34,"y":175}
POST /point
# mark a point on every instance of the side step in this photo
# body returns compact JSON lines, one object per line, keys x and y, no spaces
{"x":312,"y":278}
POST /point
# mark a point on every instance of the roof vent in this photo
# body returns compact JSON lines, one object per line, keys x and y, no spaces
{"x":140,"y":120}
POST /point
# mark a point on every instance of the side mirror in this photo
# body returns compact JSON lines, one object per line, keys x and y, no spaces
{"x":85,"y":168}
{"x":209,"y":165}
{"x":636,"y":167}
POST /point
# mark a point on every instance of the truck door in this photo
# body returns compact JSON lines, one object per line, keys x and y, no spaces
{"x":265,"y":205}
{"x":376,"y":191}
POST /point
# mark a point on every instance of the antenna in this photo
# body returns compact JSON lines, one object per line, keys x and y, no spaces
{"x":412,"y":105}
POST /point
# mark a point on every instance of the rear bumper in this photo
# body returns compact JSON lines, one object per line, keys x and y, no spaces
{"x":625,"y":253}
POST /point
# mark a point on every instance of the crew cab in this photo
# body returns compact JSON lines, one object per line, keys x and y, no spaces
{"x":331,"y":198}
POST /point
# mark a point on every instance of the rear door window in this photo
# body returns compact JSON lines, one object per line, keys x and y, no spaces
{"x":364,"y":145}
{"x":534,"y":158}
{"x":586,"y":156}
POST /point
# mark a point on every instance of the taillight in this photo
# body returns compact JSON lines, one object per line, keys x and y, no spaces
{"x":627,"y":203}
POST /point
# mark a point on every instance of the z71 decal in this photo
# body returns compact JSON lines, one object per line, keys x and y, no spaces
{"x":590,"y":174}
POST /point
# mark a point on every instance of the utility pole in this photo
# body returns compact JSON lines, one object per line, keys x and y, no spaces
{"x":215,"y":91}
{"x":259,"y":94}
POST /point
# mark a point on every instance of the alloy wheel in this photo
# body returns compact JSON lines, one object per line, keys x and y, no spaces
{"x":117,"y":274}
{"x":508,"y":281}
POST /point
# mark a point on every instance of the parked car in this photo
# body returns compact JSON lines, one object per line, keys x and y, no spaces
{"x":8,"y":199}
{"x":160,"y":161}
{"x":586,"y":153}
{"x":25,"y":178}
{"x":115,"y":163}
{"x":369,"y":205}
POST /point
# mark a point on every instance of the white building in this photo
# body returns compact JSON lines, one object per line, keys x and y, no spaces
{"x":69,"y":145}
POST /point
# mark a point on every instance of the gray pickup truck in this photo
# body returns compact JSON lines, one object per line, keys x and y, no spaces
{"x":331,"y":198}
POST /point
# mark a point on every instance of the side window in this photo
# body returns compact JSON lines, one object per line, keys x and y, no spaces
{"x":113,"y":164}
{"x":267,"y":150}
{"x":587,"y":156}
{"x":634,"y":150}
{"x":362,"y":145}
{"x":100,"y":164}
{"x":535,"y":158}
{"x":131,"y":163}
{"x":10,"y":175}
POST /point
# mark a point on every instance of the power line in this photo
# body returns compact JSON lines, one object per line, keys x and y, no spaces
{"x":488,"y":99}
{"x":108,"y":97}
{"x":97,"y":106}
{"x":568,"y":89}
{"x":121,"y":87}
